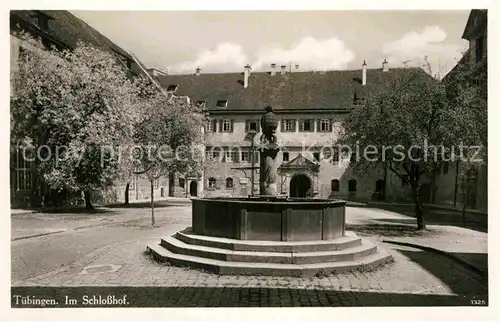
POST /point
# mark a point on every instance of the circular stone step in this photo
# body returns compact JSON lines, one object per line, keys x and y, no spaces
{"x":179,"y":247}
{"x":242,"y":257}
{"x":369,"y":262}
{"x":348,"y":241}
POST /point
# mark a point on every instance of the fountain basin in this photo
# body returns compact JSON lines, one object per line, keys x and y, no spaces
{"x":269,"y":218}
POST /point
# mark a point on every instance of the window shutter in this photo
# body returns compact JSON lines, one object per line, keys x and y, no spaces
{"x":221,"y":124}
{"x":294,"y":123}
{"x":318,"y":122}
{"x":232,"y":126}
{"x":330,"y":125}
{"x":301,"y":125}
{"x":258,"y":126}
{"x":312,"y":126}
{"x":247,"y":126}
{"x":236,"y":156}
{"x":282,"y":125}
{"x":214,"y":125}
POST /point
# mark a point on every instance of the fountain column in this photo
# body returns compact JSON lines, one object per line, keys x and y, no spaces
{"x":268,"y":149}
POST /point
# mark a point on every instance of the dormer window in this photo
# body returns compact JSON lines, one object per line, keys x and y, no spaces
{"x":201,"y":103}
{"x":41,"y":20}
{"x":172,"y":88}
{"x":221,"y":103}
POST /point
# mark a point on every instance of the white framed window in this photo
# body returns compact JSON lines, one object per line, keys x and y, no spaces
{"x":212,"y":183}
{"x":209,"y":126}
{"x":288,"y":125}
{"x":245,"y":156}
{"x":324,"y":125}
{"x":227,"y":126}
{"x":230,"y":156}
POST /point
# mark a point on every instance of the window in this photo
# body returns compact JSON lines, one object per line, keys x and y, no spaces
{"x":21,"y":178}
{"x":479,"y":49}
{"x":316,"y":156}
{"x":324,"y":125}
{"x":227,"y":126}
{"x":212,"y":154}
{"x":286,"y":156}
{"x":201,"y":103}
{"x":221,"y":103}
{"x":245,"y":156}
{"x":41,"y":20}
{"x":445,"y":168}
{"x":352,"y":185}
{"x":229,"y":156}
{"x":212,"y":183}
{"x":229,"y":183}
{"x":156,"y":183}
{"x":182,"y":182}
{"x":172,"y":88}
{"x":252,"y":125}
{"x":335,"y":156}
{"x":306,"y":126}
{"x":335,"y":185}
{"x":209,"y":126}
{"x":288,"y":126}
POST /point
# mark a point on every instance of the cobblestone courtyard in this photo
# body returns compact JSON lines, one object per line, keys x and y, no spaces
{"x":416,"y":277}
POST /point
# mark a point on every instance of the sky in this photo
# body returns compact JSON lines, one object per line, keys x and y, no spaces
{"x":225,"y":41}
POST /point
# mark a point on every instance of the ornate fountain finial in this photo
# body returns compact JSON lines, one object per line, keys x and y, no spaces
{"x":268,"y":151}
{"x":269,"y":124}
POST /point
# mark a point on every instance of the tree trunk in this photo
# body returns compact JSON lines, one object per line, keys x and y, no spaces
{"x":152,"y":205}
{"x":88,"y":203}
{"x":127,"y":188}
{"x":415,"y":189}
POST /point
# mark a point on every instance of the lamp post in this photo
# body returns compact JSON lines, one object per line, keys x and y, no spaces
{"x":250,"y":137}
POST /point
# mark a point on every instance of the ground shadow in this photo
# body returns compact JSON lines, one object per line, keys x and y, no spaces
{"x":385,"y":230}
{"x":432,"y":216}
{"x":76,"y":210}
{"x":442,"y":266}
{"x":147,"y":204}
{"x":238,"y":297}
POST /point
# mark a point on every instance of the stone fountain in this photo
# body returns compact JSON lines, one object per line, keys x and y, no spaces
{"x":269,"y":234}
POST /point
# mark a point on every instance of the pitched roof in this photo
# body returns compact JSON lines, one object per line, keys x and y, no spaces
{"x":331,"y":90}
{"x":64,"y":29}
{"x":477,"y":18}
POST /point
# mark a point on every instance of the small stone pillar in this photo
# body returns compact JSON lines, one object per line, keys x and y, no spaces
{"x":268,"y":149}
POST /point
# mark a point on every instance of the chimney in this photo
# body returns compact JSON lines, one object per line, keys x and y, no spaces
{"x":198,"y":71}
{"x":385,"y":66}
{"x":273,"y":69}
{"x":364,"y":73}
{"x":246,"y":75}
{"x":283,"y":69}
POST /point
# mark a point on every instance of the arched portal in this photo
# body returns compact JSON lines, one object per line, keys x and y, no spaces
{"x":300,"y":186}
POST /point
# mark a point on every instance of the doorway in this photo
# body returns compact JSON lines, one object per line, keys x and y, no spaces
{"x":193,"y":189}
{"x":300,"y":186}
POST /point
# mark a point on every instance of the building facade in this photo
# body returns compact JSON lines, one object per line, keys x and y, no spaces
{"x":310,"y":107}
{"x":61,"y":29}
{"x":454,"y":187}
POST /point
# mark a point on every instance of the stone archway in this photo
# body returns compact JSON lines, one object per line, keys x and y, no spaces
{"x":300,"y":186}
{"x":193,"y":188}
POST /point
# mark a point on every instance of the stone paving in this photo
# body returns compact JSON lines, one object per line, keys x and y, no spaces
{"x":415,"y":278}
